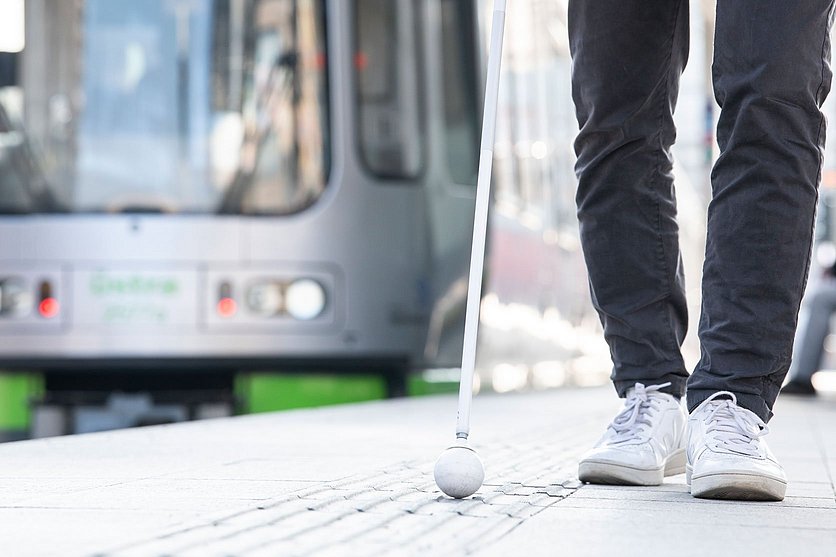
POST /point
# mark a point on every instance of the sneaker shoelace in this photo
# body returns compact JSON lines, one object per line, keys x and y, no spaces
{"x":633,"y":423}
{"x":730,"y":428}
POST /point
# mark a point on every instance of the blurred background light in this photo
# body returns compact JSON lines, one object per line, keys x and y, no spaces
{"x":825,"y":381}
{"x":11,"y":26}
{"x":509,"y":377}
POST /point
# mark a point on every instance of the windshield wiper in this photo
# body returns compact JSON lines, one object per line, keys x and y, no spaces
{"x":232,"y":202}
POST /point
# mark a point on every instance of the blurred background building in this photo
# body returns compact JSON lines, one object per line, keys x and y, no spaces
{"x":218,"y":206}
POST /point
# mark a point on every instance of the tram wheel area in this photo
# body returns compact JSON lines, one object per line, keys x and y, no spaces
{"x":80,"y":402}
{"x":140,"y":393}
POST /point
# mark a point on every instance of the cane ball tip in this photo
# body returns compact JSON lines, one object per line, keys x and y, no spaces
{"x":459,"y":472}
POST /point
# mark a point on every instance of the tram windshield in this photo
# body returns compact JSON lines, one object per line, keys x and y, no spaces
{"x":167,"y":106}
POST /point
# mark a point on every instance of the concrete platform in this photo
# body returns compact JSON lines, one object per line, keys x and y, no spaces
{"x":357,"y":480}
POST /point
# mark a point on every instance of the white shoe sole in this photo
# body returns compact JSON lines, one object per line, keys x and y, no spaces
{"x":736,"y":486}
{"x":609,"y":473}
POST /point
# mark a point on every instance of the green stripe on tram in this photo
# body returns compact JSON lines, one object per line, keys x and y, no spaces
{"x":265,"y":392}
{"x":16,"y":389}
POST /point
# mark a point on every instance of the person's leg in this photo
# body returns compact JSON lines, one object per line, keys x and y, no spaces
{"x":627,"y":59}
{"x":771,"y":75}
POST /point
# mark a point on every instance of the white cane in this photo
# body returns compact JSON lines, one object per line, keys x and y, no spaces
{"x":459,"y":472}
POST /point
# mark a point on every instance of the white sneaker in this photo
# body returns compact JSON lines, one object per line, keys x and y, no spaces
{"x":727,"y":455}
{"x":642,"y":445}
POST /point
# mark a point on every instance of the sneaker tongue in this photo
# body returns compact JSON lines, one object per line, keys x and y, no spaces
{"x":730,"y":410}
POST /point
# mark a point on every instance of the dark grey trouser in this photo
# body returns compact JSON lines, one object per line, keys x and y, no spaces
{"x":771,"y":74}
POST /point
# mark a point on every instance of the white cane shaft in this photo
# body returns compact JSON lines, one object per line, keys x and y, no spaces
{"x":480,"y":223}
{"x":492,"y":83}
{"x":474,"y":294}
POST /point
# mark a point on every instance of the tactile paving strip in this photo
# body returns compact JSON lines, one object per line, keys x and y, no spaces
{"x":394,"y":511}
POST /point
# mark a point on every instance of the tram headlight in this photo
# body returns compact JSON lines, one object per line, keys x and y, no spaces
{"x":265,"y":298}
{"x":16,"y":299}
{"x":305,"y":299}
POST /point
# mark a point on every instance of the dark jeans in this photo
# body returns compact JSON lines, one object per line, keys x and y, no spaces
{"x":771,"y":74}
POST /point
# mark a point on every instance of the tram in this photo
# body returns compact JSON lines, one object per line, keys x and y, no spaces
{"x":235,"y":179}
{"x":190,"y":188}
